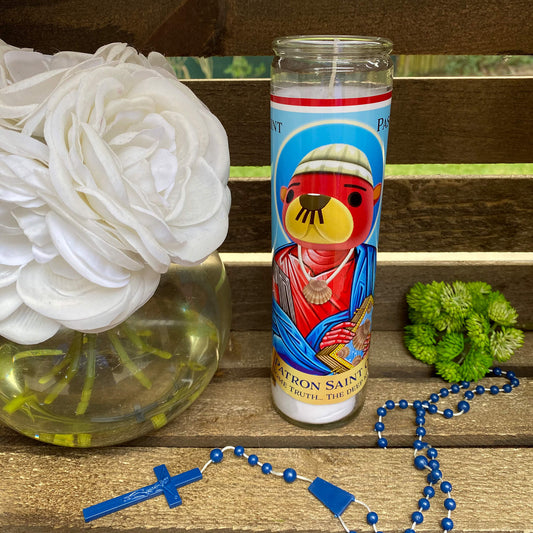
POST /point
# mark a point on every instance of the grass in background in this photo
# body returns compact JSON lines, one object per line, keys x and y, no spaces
{"x":502,"y":169}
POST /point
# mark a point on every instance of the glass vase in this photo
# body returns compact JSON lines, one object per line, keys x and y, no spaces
{"x":82,"y":390}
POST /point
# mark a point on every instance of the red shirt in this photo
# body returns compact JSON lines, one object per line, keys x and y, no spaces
{"x":320,"y":264}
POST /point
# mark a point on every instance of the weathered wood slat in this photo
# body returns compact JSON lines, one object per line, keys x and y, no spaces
{"x":249,"y":355}
{"x":426,"y":213}
{"x":236,"y":405}
{"x":49,"y":495}
{"x":396,"y":274}
{"x":433,"y":120}
{"x":239,"y":411}
{"x":239,"y":27}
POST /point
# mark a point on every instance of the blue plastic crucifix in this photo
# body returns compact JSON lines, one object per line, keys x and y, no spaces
{"x":165,"y":484}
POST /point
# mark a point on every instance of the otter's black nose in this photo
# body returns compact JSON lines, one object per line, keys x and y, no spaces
{"x":314,"y":202}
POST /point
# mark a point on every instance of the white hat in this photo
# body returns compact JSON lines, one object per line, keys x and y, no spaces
{"x":336,"y":159}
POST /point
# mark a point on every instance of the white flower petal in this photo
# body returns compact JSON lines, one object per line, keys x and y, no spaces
{"x":87,"y":261}
{"x":164,"y":167}
{"x":15,"y":249}
{"x":23,"y":145}
{"x":22,"y":64}
{"x":217,"y":152}
{"x":133,"y":296}
{"x":25,"y":326}
{"x":79,"y":304}
{"x":10,"y":299}
{"x":128,"y":227}
{"x":8,"y":275}
{"x":103,"y":164}
{"x":44,"y":254}
{"x":204,"y":193}
{"x":33,"y":225}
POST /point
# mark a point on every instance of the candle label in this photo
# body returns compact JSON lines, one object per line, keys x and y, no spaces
{"x":328,"y":161}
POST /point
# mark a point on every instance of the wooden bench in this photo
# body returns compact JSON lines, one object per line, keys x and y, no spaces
{"x":433,"y":227}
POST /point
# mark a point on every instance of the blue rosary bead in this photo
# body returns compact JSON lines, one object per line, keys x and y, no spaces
{"x":289,"y":475}
{"x":423,"y":503}
{"x":446,"y":487}
{"x":494,"y":389}
{"x":381,"y":411}
{"x":480,"y":389}
{"x":510,"y":374}
{"x":404,"y":404}
{"x":429,"y":491}
{"x":216,"y":455}
{"x":435,"y":475}
{"x":409,"y":531}
{"x":455,"y":388}
{"x":420,"y":412}
{"x":447,"y":524}
{"x":239,"y":451}
{"x":469,"y":395}
{"x":417,"y":404}
{"x":465,"y":384}
{"x":253,"y":460}
{"x":420,"y":462}
{"x":448,"y":413}
{"x":497,"y":371}
{"x":420,"y":431}
{"x":418,"y":445}
{"x":444,"y":393}
{"x":372,"y":518}
{"x":515,"y":382}
{"x":382,"y":443}
{"x":463,"y":406}
{"x":379,"y":426}
{"x":389,"y":404}
{"x":417,"y":517}
{"x":420,"y":420}
{"x":434,"y":398}
{"x":434,"y":464}
{"x":432,"y":409}
{"x":507,"y":388}
{"x":449,"y":503}
{"x":432,"y":453}
{"x":266,"y":468}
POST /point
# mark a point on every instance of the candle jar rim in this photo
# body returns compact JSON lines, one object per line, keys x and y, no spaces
{"x":331,"y":45}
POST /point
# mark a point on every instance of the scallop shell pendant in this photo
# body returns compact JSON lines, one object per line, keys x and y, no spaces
{"x":317,"y":292}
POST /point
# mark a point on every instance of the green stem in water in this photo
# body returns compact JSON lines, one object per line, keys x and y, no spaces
{"x":18,"y":401}
{"x":89,"y":376}
{"x":74,"y":353}
{"x":141,"y":345}
{"x":35,"y":353}
{"x":43,"y":380}
{"x":127,"y":362}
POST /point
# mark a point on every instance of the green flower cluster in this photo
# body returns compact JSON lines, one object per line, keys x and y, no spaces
{"x":461,"y":328}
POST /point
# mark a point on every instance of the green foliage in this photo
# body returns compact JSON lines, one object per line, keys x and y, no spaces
{"x":242,"y":67}
{"x":461,"y":328}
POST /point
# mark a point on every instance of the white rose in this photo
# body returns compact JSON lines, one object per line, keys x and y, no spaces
{"x":114,"y":171}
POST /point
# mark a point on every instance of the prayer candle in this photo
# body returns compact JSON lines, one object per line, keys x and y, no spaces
{"x":330,"y":110}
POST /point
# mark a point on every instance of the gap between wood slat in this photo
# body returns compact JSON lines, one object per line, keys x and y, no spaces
{"x":405,"y":258}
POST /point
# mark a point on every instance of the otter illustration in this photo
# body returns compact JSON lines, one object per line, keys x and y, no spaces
{"x":323,"y":277}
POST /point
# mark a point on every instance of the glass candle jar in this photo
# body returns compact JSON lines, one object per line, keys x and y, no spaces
{"x":330,"y":110}
{"x":81,"y":390}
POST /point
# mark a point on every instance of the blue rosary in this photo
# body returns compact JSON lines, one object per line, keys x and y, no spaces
{"x":334,"y":498}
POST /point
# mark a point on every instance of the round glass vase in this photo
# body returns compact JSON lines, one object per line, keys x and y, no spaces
{"x":82,"y":390}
